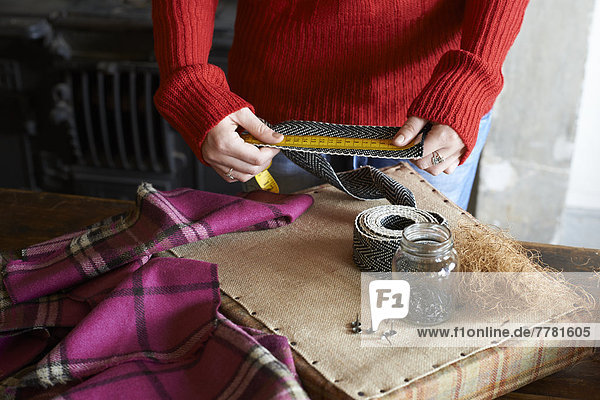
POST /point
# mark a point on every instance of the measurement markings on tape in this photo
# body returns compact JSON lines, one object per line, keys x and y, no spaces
{"x":266,"y":181}
{"x":327,"y":142}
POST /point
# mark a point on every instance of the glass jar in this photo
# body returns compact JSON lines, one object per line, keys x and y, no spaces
{"x":425,"y":260}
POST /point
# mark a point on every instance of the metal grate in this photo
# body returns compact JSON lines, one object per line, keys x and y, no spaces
{"x":116,"y":124}
{"x":82,"y":83}
{"x":10,"y":75}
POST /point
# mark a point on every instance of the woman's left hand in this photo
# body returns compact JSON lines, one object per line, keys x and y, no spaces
{"x":441,"y":141}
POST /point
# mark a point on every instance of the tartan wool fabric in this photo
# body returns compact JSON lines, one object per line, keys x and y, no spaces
{"x":136,"y":326}
{"x":161,"y":221}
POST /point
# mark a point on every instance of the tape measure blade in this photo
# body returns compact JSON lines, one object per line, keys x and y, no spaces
{"x":266,"y":182}
{"x":325,"y":142}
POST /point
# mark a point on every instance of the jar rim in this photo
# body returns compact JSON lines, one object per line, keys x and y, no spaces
{"x":426,"y":239}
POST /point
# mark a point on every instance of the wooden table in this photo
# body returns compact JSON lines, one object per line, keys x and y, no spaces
{"x":31,"y":217}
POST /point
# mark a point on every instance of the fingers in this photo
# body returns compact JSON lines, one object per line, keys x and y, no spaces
{"x":439,"y":137}
{"x":448,"y":165}
{"x":256,"y":127}
{"x":248,"y":153}
{"x":452,"y":166}
{"x":444,"y":142}
{"x":224,"y":149}
{"x":409,"y":131}
{"x":231,"y":174}
{"x":241,"y":170}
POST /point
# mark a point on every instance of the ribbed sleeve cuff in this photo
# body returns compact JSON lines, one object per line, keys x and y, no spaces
{"x":194,"y":99}
{"x":461,"y":91}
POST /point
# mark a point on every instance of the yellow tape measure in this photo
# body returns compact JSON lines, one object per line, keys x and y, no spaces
{"x":328,"y":142}
{"x":266,"y":181}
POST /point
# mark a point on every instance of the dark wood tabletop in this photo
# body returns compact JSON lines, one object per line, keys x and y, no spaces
{"x":31,"y":217}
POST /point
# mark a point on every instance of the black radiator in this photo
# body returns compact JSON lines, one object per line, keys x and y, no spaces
{"x":77,"y":79}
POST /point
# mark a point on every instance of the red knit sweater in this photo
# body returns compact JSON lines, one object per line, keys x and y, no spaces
{"x":371,"y":62}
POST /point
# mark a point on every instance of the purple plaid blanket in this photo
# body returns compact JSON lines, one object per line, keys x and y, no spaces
{"x":92,"y":315}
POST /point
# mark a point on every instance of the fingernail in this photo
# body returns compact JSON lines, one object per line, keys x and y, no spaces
{"x":277,"y":135}
{"x":399,"y":139}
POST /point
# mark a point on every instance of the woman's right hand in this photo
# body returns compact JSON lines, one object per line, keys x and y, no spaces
{"x":224,"y":149}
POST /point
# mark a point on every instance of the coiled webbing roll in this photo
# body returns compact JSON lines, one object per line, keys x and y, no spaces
{"x":377,"y":231}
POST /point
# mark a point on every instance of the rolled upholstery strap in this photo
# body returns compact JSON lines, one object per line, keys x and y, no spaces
{"x":378,"y":231}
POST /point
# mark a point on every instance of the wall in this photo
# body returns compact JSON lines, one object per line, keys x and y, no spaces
{"x":580,"y":224}
{"x":525,"y":167}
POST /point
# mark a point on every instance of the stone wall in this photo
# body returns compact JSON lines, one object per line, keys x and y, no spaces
{"x":524,"y":171}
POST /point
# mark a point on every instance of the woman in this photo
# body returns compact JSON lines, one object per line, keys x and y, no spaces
{"x":370,"y":62}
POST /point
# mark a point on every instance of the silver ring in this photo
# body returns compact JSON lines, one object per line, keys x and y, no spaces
{"x":436,"y":158}
{"x":228,"y":174}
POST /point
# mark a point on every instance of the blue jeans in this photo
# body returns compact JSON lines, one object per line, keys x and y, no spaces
{"x":456,"y":186}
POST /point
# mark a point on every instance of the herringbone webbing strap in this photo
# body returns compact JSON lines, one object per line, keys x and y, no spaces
{"x":364,"y":183}
{"x":310,"y":128}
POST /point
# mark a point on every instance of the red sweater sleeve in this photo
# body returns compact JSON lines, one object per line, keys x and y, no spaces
{"x":193,"y":95}
{"x":466,"y":82}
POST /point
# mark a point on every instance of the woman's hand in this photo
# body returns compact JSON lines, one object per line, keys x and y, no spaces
{"x":441,"y":140}
{"x":230,"y":156}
